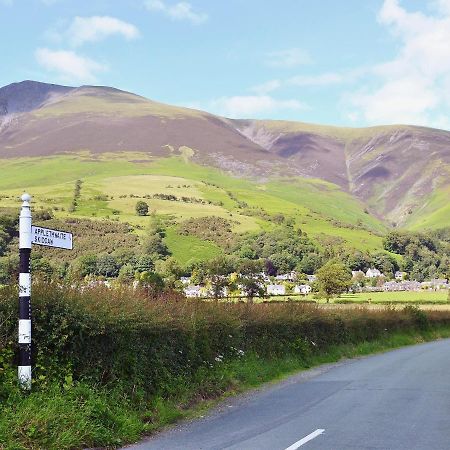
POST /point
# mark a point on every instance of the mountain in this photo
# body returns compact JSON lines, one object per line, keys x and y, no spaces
{"x":400,"y":174}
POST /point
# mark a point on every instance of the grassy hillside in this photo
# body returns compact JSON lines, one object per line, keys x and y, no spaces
{"x":399,"y":173}
{"x":112,"y":183}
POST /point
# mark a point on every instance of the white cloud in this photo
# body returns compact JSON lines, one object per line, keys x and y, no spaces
{"x":97,"y":28}
{"x":177,"y":11}
{"x":323,"y":79}
{"x":253,"y":105}
{"x":288,"y":58}
{"x":319,"y":80}
{"x":397,"y":101}
{"x":410,"y":87}
{"x":68,"y":65}
{"x":267,"y":87}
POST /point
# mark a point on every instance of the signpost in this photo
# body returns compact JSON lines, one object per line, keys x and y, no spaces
{"x":28,"y":235}
{"x":51,"y":238}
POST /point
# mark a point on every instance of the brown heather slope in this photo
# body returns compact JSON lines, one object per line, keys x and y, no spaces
{"x":394,"y":170}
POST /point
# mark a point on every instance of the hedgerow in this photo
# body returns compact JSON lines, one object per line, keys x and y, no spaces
{"x":122,"y":336}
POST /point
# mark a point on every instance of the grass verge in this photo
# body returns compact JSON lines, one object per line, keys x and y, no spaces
{"x":86,"y":415}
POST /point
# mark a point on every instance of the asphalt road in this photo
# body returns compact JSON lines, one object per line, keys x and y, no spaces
{"x":393,"y":401}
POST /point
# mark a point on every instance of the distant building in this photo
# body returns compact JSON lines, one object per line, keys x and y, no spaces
{"x":291,"y":276}
{"x":436,"y":284}
{"x":400,"y":275}
{"x":185,"y":280}
{"x":373,"y":273}
{"x":276,"y":289}
{"x":302,"y":289}
{"x":193,"y":291}
{"x":311,"y":278}
{"x":392,"y":286}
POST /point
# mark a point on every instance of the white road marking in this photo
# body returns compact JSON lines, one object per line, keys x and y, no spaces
{"x":306,"y":439}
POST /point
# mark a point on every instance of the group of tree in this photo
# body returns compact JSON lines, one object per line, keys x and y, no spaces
{"x":425,"y":255}
{"x":113,"y":251}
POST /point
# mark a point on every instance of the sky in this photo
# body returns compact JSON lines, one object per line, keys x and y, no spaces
{"x":340,"y":62}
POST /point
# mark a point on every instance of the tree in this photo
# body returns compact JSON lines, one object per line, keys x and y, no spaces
{"x":141,"y":208}
{"x":218,"y":270}
{"x":153,"y":243}
{"x":144,"y":264}
{"x":246,"y":251}
{"x":251,"y":279}
{"x":333,"y":279}
{"x":359,"y":261}
{"x":155,"y":246}
{"x":152,"y":282}
{"x":269,"y":268}
{"x":169,"y":269}
{"x":87,"y":265}
{"x":283,"y":262}
{"x":385,"y":263}
{"x":309,"y":263}
{"x":126,"y":274}
{"x":107,"y":266}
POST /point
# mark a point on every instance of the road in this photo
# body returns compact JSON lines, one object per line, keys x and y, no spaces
{"x":392,"y":401}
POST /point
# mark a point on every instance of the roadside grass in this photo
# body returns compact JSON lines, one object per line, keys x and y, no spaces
{"x":85,"y":415}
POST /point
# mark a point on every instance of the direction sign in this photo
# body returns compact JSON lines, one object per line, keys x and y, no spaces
{"x":51,"y":238}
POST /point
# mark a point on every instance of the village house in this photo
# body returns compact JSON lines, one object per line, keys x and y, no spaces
{"x":435,"y":284}
{"x":400,"y":275}
{"x":276,"y":289}
{"x":302,"y":289}
{"x":185,"y":280}
{"x":291,"y":276}
{"x":311,"y":278}
{"x":265,"y":277}
{"x":373,"y":273}
{"x":193,"y":291}
{"x":392,"y":286}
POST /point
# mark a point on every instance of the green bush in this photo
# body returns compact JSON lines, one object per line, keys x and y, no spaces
{"x":123,"y":336}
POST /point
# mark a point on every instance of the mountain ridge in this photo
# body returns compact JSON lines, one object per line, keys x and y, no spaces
{"x":394,"y":170}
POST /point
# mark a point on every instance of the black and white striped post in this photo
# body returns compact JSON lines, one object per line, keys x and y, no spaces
{"x":24,"y":369}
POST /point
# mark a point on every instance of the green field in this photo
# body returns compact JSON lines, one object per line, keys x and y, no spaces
{"x":402,"y":296}
{"x":440,"y":296}
{"x":317,"y":207}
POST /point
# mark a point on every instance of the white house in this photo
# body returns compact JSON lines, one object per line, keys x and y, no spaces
{"x":276,"y":289}
{"x":311,"y":278}
{"x":286,"y":276}
{"x":185,"y":280}
{"x":400,"y":275}
{"x":193,"y":291}
{"x":373,"y":273}
{"x":302,"y":289}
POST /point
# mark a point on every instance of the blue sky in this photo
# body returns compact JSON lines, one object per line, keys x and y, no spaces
{"x":346,"y":62}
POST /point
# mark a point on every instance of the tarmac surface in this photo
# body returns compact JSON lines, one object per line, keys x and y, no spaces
{"x":398,"y":400}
